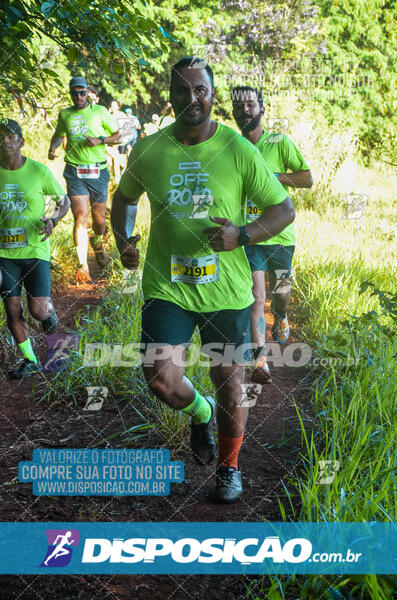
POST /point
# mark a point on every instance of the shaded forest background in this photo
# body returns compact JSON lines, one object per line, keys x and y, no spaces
{"x":335,"y":60}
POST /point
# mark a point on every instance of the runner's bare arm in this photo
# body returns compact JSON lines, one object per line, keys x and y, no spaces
{"x":273,"y":220}
{"x":62,"y":207}
{"x":110,"y":139}
{"x":298,"y":179}
{"x":122,"y":218}
{"x":55,"y":142}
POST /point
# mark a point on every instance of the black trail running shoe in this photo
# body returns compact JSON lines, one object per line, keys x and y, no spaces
{"x":229,"y":487}
{"x":26,"y":369}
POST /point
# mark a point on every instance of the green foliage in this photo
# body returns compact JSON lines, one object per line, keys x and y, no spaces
{"x":362,"y":45}
{"x":324,"y":587}
{"x":346,"y":307}
{"x":234,"y":37}
{"x":328,"y":53}
{"x":105,"y":34}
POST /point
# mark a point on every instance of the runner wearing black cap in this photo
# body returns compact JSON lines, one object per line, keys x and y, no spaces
{"x":88,"y":127}
{"x":24,"y":243}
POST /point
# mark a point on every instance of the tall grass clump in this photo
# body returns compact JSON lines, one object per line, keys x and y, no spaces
{"x":346,"y":306}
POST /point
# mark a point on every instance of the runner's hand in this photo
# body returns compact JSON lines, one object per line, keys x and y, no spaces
{"x":51,"y":154}
{"x":46,"y":230}
{"x":92,"y":141}
{"x":130,"y":254}
{"x":223,"y":238}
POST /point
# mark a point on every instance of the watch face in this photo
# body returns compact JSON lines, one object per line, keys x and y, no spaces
{"x":243,"y":238}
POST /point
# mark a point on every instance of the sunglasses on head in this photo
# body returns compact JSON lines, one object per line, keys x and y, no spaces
{"x":76,"y":93}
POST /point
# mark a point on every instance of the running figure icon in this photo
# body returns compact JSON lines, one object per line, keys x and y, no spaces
{"x":59,"y":549}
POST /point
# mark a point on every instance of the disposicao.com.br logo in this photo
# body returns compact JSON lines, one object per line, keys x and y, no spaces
{"x":195,"y":553}
{"x":246,"y":551}
{"x":189,"y":550}
{"x":198,"y":547}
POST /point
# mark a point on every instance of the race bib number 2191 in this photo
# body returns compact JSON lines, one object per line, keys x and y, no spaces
{"x":202,"y":269}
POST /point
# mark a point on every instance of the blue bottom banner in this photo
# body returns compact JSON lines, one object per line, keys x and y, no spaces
{"x":198,"y":548}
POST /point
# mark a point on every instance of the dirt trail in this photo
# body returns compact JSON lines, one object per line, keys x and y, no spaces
{"x":269,"y":454}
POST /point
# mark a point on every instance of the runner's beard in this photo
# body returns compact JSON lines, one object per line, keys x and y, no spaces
{"x":252,"y":124}
{"x":195,"y":120}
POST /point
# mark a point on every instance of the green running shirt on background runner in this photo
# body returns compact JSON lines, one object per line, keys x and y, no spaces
{"x":281,"y":155}
{"x":186,"y":185}
{"x":22,"y":204}
{"x":92,"y":121}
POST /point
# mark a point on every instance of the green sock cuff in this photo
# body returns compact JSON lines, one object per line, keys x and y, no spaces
{"x":27,"y":350}
{"x":199,"y":410}
{"x":97,"y":238}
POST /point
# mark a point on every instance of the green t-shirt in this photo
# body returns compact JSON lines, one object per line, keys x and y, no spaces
{"x":22,"y":204}
{"x":186,"y":185}
{"x":281,"y":155}
{"x":92,"y":121}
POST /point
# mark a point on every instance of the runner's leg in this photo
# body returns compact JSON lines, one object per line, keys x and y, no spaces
{"x":282,"y":294}
{"x":261,"y":372}
{"x":15,"y":319}
{"x":41,"y":308}
{"x":18,"y":327}
{"x":258,"y":320}
{"x":280,"y":262}
{"x":230,"y":328}
{"x":166,"y":380}
{"x":98,"y":195}
{"x":257,"y":260}
{"x":11,"y":288}
{"x":38,"y":288}
{"x":98,"y":212}
{"x":231,"y":415}
{"x":80,"y":233}
{"x":166,"y":331}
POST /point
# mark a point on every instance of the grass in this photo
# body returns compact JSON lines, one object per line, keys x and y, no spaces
{"x":354,"y":407}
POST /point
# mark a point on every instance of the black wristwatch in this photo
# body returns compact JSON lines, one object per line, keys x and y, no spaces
{"x":101,"y":138}
{"x":244,"y":237}
{"x":53,"y":222}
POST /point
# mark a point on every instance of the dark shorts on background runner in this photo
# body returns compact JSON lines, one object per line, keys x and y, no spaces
{"x":33,"y":273}
{"x":96,"y":189}
{"x":167,"y":323}
{"x":270,"y":258}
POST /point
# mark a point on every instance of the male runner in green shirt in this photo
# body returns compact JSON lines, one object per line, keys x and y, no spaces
{"x":197,"y":174}
{"x":24,"y":243}
{"x":274,"y":255}
{"x":88,"y":127}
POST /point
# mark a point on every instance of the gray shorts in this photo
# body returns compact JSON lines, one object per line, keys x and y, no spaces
{"x":96,"y":189}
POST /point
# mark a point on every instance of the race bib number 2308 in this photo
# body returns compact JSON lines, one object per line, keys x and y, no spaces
{"x":88,"y":171}
{"x":253,"y":212}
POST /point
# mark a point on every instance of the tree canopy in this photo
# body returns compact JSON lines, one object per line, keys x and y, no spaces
{"x":105,"y":34}
{"x":338,"y":56}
